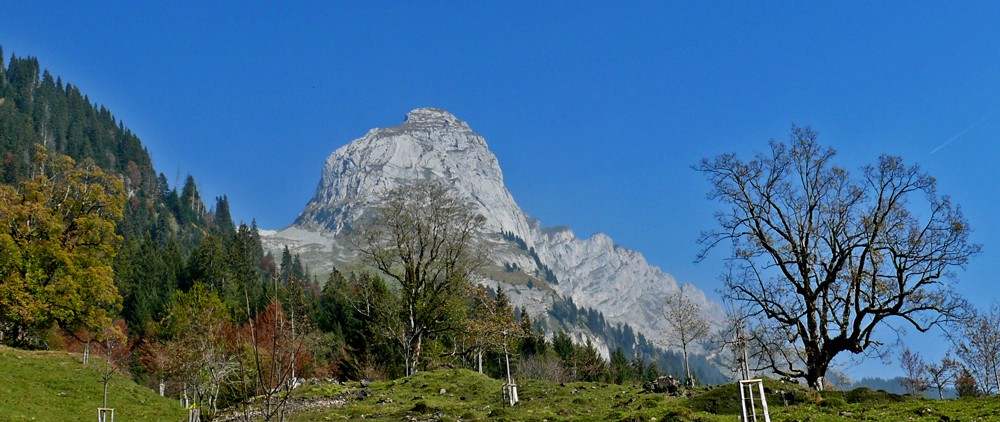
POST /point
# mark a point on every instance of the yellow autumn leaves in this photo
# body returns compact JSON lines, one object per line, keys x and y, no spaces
{"x":57,"y":244}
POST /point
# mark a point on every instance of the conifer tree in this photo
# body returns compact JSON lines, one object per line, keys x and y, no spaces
{"x":286,"y":265}
{"x":223,"y":221}
{"x":190,"y":201}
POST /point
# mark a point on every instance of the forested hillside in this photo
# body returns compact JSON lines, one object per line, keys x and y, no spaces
{"x":170,"y":238}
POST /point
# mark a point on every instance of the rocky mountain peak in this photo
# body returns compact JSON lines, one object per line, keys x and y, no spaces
{"x":432,"y":116}
{"x":434,"y":145}
{"x":431,"y":144}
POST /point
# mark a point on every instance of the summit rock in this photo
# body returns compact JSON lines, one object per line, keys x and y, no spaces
{"x":431,"y":145}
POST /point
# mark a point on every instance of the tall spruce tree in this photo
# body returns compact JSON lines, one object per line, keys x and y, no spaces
{"x":223,"y":221}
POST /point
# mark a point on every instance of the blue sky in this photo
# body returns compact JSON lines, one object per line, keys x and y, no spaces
{"x":596,"y":111}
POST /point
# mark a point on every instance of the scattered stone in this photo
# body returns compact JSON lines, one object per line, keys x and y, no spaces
{"x":384,"y":401}
{"x":443,"y":391}
{"x":846,"y":414}
{"x":668,"y":385}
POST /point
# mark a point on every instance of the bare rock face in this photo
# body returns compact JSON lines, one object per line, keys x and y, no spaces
{"x":430,"y":145}
{"x":433,"y":145}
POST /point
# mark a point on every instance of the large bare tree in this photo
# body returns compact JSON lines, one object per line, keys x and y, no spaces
{"x":827,"y":258}
{"x":425,"y":238}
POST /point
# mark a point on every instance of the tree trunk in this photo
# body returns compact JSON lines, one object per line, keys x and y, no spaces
{"x":414,"y":355}
{"x":107,"y":377}
{"x":687,"y":368}
{"x":817,"y":361}
{"x":480,"y":354}
{"x":815,"y":375}
{"x":510,"y":381}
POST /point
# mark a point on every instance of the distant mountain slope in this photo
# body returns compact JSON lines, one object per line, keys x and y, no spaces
{"x":433,"y":145}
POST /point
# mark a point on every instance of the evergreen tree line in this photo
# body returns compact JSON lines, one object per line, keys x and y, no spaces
{"x":362,"y":351}
{"x":622,"y":337}
{"x":37,"y":108}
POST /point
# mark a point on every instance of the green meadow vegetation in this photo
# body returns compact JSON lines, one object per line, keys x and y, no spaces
{"x":469,"y":396}
{"x":56,"y":386}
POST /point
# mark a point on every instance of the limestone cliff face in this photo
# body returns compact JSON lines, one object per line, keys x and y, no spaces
{"x":434,"y":145}
{"x":430,"y":145}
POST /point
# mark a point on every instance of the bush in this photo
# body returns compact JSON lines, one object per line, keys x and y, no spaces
{"x":966,"y":386}
{"x":543,"y":368}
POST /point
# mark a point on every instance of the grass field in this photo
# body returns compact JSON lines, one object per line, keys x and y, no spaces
{"x":469,"y":396}
{"x":56,"y":386}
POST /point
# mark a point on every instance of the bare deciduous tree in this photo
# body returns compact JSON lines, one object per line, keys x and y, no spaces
{"x":914,"y":372}
{"x":977,"y":343}
{"x":115,"y":348}
{"x":737,"y":344}
{"x":424,"y":238}
{"x":271,"y":351}
{"x":831,"y":257}
{"x":687,"y":324}
{"x":941,"y":375}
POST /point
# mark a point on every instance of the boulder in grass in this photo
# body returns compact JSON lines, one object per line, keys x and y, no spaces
{"x":664,"y":385}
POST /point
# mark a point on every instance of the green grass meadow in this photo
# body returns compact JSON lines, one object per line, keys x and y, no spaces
{"x":56,"y":386}
{"x":473,"y":397}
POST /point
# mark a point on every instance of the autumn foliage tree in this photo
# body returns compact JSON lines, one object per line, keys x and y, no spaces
{"x":492,"y":327}
{"x":914,"y":379}
{"x":57,"y":245}
{"x":115,"y":349}
{"x":195,"y":348}
{"x":829,"y":257}
{"x":941,"y":375}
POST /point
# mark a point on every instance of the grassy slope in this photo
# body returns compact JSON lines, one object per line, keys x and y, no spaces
{"x":470,"y":396}
{"x":56,"y":386}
